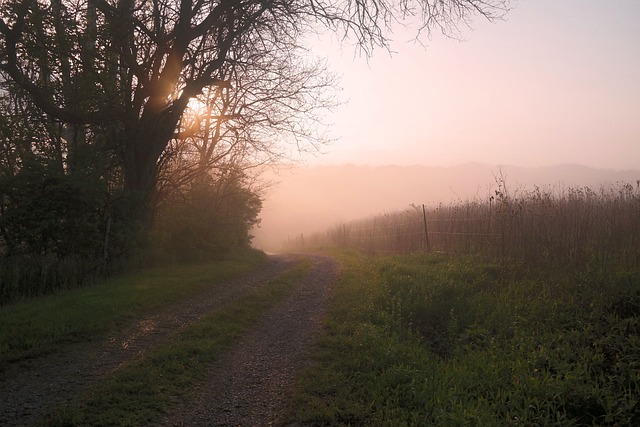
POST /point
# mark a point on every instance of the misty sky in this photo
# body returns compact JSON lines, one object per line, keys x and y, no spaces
{"x":558,"y":82}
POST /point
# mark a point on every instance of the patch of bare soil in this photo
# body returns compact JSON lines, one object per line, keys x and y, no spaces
{"x":37,"y":386}
{"x":249,"y":387}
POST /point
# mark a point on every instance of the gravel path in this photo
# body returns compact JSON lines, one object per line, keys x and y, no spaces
{"x":39,"y":385}
{"x":249,"y":387}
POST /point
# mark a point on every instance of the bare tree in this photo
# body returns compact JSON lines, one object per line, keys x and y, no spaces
{"x":276,"y":97}
{"x":128,"y":68}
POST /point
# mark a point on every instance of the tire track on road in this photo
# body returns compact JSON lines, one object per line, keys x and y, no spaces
{"x":45,"y":383}
{"x":250,"y":386}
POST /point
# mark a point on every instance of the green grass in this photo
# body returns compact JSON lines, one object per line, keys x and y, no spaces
{"x":140,"y":392}
{"x":39,"y":326}
{"x":438,"y":340}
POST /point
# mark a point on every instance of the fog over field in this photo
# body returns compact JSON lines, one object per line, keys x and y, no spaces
{"x":311,"y":199}
{"x":553,"y":84}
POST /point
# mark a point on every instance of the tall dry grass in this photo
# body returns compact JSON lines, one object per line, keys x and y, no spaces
{"x":576,"y":227}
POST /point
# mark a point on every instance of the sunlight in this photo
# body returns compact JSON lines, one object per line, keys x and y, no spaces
{"x":197,"y":107}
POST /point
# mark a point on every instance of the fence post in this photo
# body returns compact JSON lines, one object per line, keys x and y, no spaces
{"x":372,"y":241}
{"x":426,"y":232}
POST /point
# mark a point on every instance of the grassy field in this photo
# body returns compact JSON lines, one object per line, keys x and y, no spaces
{"x":433,"y":339}
{"x":40,"y":326}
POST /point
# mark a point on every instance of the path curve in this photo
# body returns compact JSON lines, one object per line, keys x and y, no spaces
{"x":47,"y":382}
{"x":249,"y":386}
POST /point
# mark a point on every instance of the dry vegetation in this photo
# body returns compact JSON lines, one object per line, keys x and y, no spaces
{"x":556,"y":227}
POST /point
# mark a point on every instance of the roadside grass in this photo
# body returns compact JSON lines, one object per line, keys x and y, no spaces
{"x":459,"y":340}
{"x":40,"y":326}
{"x":141,"y":392}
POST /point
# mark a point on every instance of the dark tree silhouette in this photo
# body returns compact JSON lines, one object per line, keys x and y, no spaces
{"x":133,"y":66}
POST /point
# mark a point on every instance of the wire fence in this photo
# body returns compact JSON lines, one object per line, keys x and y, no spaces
{"x":573,"y":227}
{"x":414,"y":230}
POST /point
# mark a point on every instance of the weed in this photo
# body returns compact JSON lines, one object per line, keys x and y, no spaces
{"x":461,"y":340}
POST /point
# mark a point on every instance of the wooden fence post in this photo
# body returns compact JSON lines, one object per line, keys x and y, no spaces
{"x":426,"y":232}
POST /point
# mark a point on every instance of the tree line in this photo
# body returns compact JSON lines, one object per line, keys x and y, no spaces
{"x":131,"y":126}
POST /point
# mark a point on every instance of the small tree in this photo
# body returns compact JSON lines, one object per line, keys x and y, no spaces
{"x":208,"y":217}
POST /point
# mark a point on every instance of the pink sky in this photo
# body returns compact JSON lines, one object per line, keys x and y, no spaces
{"x":558,"y":82}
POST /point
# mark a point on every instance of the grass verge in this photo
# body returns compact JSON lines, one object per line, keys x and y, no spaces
{"x":434,"y":340}
{"x":39,"y":326}
{"x":140,"y":392}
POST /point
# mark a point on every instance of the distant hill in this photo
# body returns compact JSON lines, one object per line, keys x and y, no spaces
{"x":305,"y":200}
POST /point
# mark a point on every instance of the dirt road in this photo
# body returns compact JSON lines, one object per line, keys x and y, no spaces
{"x":247,"y":387}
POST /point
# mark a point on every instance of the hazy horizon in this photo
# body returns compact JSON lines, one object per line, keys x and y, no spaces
{"x":313,"y":198}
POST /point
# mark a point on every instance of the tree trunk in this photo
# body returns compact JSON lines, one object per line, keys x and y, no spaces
{"x":144,"y":143}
